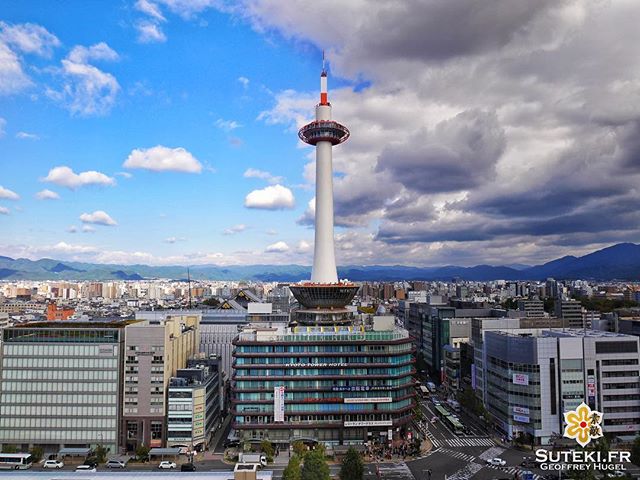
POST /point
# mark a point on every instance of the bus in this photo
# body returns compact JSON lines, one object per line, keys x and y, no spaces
{"x":441,"y":412}
{"x":454,"y":424}
{"x":15,"y":461}
{"x":424,"y":392}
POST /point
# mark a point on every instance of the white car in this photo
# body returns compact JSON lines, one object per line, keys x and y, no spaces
{"x":498,"y":462}
{"x":53,"y":464}
{"x":165,"y":465}
{"x":86,"y":468}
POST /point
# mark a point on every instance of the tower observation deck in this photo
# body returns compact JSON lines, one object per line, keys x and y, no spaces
{"x":324,"y":298}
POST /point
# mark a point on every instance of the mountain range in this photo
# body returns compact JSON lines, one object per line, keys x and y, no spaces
{"x":617,"y":262}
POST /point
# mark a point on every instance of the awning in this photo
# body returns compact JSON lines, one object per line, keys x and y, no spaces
{"x":76,"y":452}
{"x":165,"y":451}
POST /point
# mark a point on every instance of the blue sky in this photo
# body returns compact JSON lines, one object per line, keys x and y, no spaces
{"x":167,"y":128}
{"x":202,"y":89}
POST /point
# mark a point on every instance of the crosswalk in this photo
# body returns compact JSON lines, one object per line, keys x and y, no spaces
{"x":459,"y":455}
{"x":470,"y":442}
{"x":511,"y":471}
{"x":395,"y":471}
{"x":466,"y":472}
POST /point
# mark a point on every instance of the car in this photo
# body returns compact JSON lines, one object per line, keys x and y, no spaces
{"x":86,"y":468}
{"x":231,"y":443}
{"x":53,"y":464}
{"x":616,"y":473}
{"x":165,"y":465}
{"x":115,"y":464}
{"x":497,"y":462}
{"x":187,"y":467}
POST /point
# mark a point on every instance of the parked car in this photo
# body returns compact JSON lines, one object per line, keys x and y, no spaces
{"x":187,"y":467}
{"x":53,"y":464}
{"x":115,"y":464}
{"x":231,"y":443}
{"x":497,"y":462}
{"x":165,"y":465}
{"x":86,"y":468}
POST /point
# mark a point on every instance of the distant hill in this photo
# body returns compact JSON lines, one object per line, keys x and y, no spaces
{"x":618,"y":262}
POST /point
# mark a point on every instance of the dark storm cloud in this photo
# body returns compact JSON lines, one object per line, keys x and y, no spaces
{"x":426,"y":30}
{"x":459,"y":153}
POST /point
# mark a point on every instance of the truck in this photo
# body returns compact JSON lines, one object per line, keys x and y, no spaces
{"x":259,"y":459}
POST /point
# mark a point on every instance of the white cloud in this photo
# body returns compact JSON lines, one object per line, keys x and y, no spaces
{"x":244,"y":81}
{"x":175,"y":239}
{"x":235,"y":229}
{"x":87,"y":90}
{"x":150,"y":8}
{"x":274,"y":197}
{"x":227,"y":125}
{"x":7,"y":194}
{"x":255,"y":173}
{"x":4,"y":211}
{"x":304,"y":247}
{"x":66,"y":177}
{"x":47,"y":195}
{"x":124,"y":174}
{"x":271,"y":231}
{"x":64,"y":247}
{"x":72,"y":229}
{"x":29,"y":38}
{"x":150,"y":32}
{"x":3,"y":123}
{"x":278,"y":247}
{"x":99,"y":217}
{"x":12,"y":77}
{"x":161,"y":159}
{"x":88,"y":229}
{"x":27,"y":136}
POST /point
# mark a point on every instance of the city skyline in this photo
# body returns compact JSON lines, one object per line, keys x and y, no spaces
{"x":167,"y":135}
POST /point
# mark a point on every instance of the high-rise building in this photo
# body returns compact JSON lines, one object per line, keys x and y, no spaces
{"x":327,"y":377}
{"x":154,"y":351}
{"x":60,"y":385}
{"x":570,"y":310}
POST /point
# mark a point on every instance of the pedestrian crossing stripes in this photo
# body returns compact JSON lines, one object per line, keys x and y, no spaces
{"x":465,"y":473}
{"x":459,"y":455}
{"x":395,"y":471}
{"x":512,"y":471}
{"x":491,"y":453}
{"x":470,"y":442}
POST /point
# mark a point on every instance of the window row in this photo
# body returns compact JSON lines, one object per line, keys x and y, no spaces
{"x":59,"y":350}
{"x":44,"y":362}
{"x":61,"y":436}
{"x":58,"y":387}
{"x":65,"y":374}
{"x":45,"y":422}
{"x":7,"y":398}
{"x":57,"y":411}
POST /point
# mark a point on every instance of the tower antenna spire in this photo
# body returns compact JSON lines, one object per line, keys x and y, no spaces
{"x":324,"y":71}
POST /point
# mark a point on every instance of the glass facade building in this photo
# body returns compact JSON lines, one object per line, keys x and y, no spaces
{"x":338,"y":385}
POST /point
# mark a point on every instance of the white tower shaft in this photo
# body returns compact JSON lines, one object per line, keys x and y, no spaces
{"x":324,"y":257}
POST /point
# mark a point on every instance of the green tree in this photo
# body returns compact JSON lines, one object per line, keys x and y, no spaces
{"x":267,"y":448}
{"x":635,"y":451}
{"x":142,"y":453}
{"x":292,"y":472}
{"x":9,"y":449}
{"x":299,"y":448}
{"x":100,"y":453}
{"x":37,"y":453}
{"x":352,"y":466}
{"x":315,"y":466}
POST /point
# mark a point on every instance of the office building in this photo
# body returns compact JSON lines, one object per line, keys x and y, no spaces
{"x":571,"y":310}
{"x":194,"y":403}
{"x":60,"y":385}
{"x":154,"y":351}
{"x":532,"y":308}
{"x":533,"y":378}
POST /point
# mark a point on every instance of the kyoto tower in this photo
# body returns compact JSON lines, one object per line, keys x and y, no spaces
{"x":324,"y":298}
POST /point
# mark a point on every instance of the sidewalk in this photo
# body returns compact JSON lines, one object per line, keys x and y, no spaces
{"x":210,"y":454}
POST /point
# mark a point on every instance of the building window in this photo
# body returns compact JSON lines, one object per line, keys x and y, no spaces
{"x":156,"y":430}
{"x":132,"y":430}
